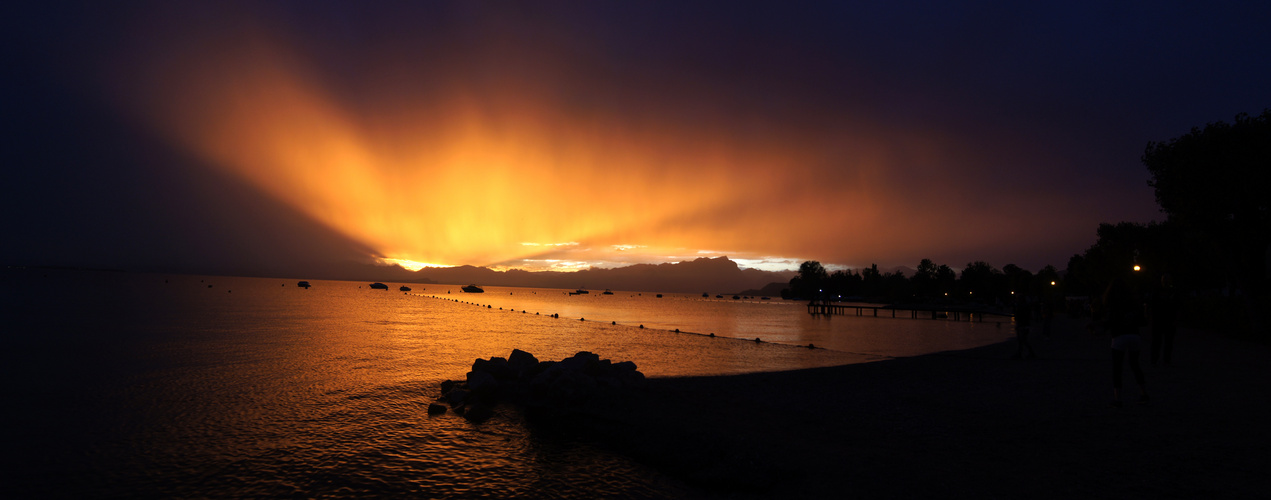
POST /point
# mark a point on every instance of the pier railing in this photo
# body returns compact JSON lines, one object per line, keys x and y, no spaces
{"x":914,"y":312}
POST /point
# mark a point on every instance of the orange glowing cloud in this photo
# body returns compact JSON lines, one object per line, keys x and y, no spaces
{"x":502,"y":170}
{"x":472,"y":181}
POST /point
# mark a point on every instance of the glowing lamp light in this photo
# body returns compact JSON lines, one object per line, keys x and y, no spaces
{"x":1053,"y":283}
{"x":1137,"y":268}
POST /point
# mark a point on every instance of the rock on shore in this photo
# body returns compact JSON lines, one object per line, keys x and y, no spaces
{"x":547,"y":390}
{"x":606,"y":402}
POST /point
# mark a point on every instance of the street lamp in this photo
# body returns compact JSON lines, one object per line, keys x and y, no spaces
{"x":1137,"y":268}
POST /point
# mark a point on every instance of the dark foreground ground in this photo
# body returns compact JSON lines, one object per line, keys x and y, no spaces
{"x":965,"y":424}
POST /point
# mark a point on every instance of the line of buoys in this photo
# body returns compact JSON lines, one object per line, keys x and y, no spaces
{"x":756,"y":340}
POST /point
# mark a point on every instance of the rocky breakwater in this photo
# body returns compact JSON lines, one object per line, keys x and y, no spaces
{"x":658,"y":422}
{"x":582,"y":386}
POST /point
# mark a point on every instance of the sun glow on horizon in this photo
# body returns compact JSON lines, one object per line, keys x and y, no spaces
{"x":407,"y":264}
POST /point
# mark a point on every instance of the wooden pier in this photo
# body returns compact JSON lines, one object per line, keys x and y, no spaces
{"x":955,"y":314}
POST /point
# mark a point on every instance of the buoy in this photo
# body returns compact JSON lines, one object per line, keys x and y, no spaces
{"x":613,"y":322}
{"x":677,"y":330}
{"x":712,"y":335}
{"x":810,"y":346}
{"x":641,"y":327}
{"x":757,"y":340}
{"x":582,"y":319}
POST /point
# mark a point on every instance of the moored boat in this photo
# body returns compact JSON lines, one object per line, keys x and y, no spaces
{"x":404,"y":288}
{"x":379,"y":286}
{"x":303,"y":284}
{"x":473,"y":289}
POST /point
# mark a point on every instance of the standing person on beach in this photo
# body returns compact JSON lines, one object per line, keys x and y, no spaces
{"x":1162,"y":313}
{"x":1048,"y":316}
{"x":1122,"y":312}
{"x":1023,"y":320}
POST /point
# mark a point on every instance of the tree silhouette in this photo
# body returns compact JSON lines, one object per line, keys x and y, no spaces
{"x":811,"y":279}
{"x":978,"y":280}
{"x":924,"y":281}
{"x":1018,"y":280}
{"x":946,"y":279}
{"x":1214,"y":181}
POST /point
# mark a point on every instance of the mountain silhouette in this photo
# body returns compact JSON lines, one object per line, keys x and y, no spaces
{"x":712,"y":275}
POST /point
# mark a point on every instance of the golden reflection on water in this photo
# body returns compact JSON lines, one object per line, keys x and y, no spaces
{"x":255,"y":388}
{"x":214,"y":386}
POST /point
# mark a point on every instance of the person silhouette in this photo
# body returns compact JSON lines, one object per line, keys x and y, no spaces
{"x":1162,"y":313}
{"x":1023,"y":321}
{"x":1122,"y":312}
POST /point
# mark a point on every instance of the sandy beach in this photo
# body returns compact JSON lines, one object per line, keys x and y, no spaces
{"x":972,"y":423}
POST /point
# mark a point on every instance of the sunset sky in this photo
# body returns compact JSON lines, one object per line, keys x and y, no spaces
{"x":263,"y":137}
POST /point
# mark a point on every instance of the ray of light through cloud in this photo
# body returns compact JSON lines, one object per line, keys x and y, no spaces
{"x":529,"y":139}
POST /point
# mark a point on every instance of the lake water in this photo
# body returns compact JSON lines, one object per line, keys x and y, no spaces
{"x":122,"y":384}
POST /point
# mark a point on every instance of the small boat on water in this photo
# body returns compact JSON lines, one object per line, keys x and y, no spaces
{"x":303,"y":284}
{"x":607,"y":292}
{"x":404,"y":288}
{"x":473,"y":289}
{"x":379,"y":286}
{"x":579,"y":291}
{"x":706,"y":295}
